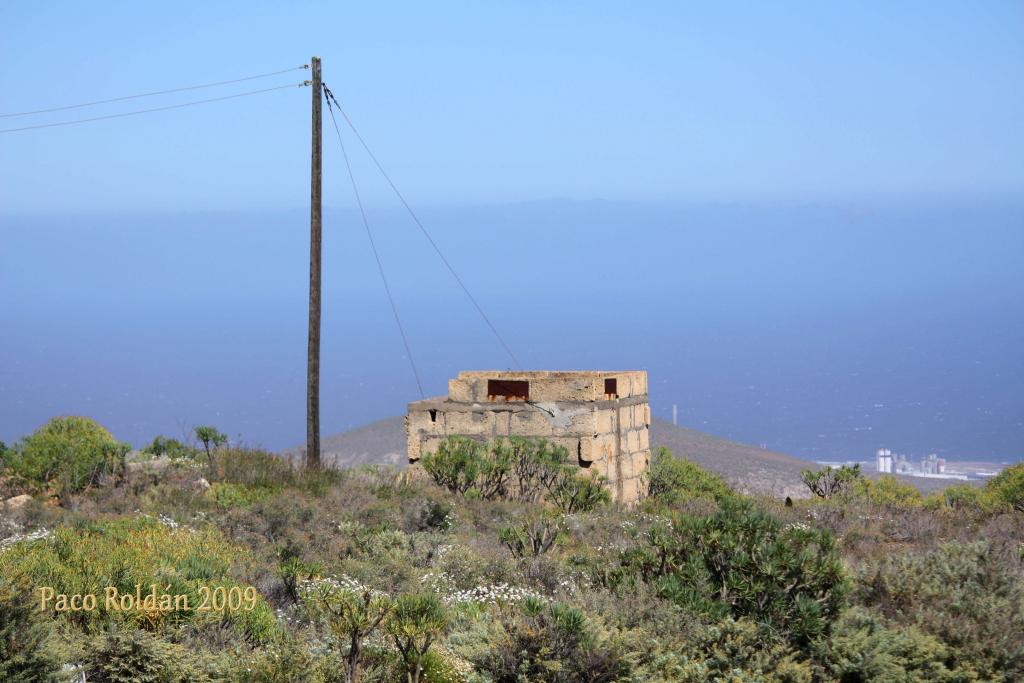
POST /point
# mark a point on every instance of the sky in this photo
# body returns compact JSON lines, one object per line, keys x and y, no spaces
{"x":483,"y":102}
{"x":805,"y":220}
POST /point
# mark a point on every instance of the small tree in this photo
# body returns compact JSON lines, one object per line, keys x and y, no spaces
{"x":211,"y":438}
{"x":351,"y":611}
{"x":830,"y":482}
{"x":417,"y":620}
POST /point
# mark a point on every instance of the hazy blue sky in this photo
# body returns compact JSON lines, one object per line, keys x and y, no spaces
{"x":804,"y":219}
{"x":473,"y":101}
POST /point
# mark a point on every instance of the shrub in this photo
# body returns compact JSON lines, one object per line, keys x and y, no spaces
{"x":24,"y":657}
{"x":744,"y":562}
{"x":134,"y":657}
{"x":228,"y":496}
{"x":462,"y":465}
{"x":287,"y":660}
{"x":962,"y":497}
{"x":887,"y":491}
{"x":352,"y":612}
{"x":673,"y":480}
{"x":517,"y":469}
{"x":548,"y":642}
{"x":863,"y":648}
{"x":172,"y":448}
{"x":830,"y":482}
{"x":124,"y":552}
{"x":968,"y":595}
{"x":734,"y":650}
{"x":571,"y":492}
{"x":294,"y":571}
{"x":68,"y":453}
{"x":414,"y":624}
{"x":1008,"y":486}
{"x":532,"y":537}
{"x":252,"y":468}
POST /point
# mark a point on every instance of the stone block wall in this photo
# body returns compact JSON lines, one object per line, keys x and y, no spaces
{"x":601,"y":418}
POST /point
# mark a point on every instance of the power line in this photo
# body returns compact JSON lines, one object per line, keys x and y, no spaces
{"x":153,"y":93}
{"x":148,"y":111}
{"x":373,"y":244}
{"x":430,"y":239}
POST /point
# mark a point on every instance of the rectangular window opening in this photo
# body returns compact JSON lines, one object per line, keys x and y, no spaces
{"x":433,"y":415}
{"x":611,"y":388}
{"x":508,"y":389}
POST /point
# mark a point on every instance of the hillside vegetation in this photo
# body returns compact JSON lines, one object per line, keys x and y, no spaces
{"x":498,"y":563}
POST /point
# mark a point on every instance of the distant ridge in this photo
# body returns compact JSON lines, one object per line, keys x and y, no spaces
{"x":747,"y":468}
{"x":378,"y":443}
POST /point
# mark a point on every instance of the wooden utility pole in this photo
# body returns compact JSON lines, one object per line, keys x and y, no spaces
{"x":315,"y":230}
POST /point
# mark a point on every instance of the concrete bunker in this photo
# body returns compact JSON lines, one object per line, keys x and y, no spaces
{"x":600,"y":417}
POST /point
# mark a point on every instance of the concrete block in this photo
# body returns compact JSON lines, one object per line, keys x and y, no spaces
{"x":632,"y":441}
{"x":632,"y":490}
{"x":604,"y":420}
{"x":530,"y":422}
{"x":645,"y":439}
{"x":625,"y":418}
{"x":476,"y":423}
{"x":460,"y":390}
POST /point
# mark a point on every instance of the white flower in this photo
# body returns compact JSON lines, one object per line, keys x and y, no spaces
{"x":37,"y":535}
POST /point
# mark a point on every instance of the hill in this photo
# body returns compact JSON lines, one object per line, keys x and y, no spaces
{"x":378,"y":443}
{"x":748,"y":468}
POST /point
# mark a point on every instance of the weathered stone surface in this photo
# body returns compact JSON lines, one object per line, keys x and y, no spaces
{"x":155,"y":465}
{"x":17,"y":502}
{"x":604,"y":432}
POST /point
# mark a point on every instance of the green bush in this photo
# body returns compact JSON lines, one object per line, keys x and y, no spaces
{"x":863,"y":648}
{"x":963,"y":497}
{"x":24,"y":656}
{"x":571,"y":492}
{"x":288,"y":659}
{"x":743,"y":562}
{"x":462,"y":465}
{"x":140,"y":550}
{"x":534,"y":536}
{"x":414,"y":624}
{"x":549,"y":642}
{"x":733,"y":651}
{"x":829,"y":482}
{"x":968,"y":595}
{"x":68,"y":454}
{"x":886,"y":491}
{"x":172,"y":448}
{"x":514,"y":469}
{"x":228,"y":496}
{"x":673,"y":480}
{"x":1008,"y":486}
{"x":135,"y":657}
{"x":352,"y":613}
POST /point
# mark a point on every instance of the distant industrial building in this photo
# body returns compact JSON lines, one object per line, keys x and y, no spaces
{"x":887,"y":462}
{"x":883,"y":460}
